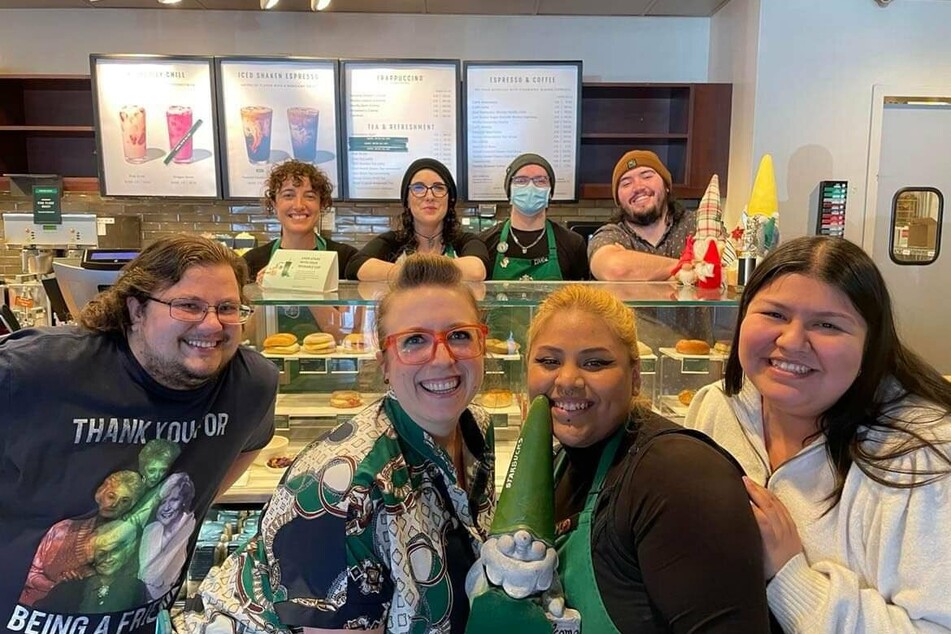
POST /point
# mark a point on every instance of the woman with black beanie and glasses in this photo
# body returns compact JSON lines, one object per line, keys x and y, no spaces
{"x":428,"y":224}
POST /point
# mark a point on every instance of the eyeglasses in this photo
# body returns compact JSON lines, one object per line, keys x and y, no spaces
{"x":195,"y":310}
{"x":538,"y":181}
{"x":419,"y":190}
{"x":418,"y":346}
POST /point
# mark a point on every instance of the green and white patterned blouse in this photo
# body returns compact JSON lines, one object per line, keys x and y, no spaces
{"x":367,"y":528}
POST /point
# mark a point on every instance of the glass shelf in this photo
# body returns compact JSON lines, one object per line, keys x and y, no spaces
{"x":653,"y":294}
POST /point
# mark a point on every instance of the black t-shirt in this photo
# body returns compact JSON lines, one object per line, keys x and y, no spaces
{"x":674,"y":543}
{"x":258,"y":257}
{"x":91,"y":449}
{"x":572,"y":250}
{"x":387,"y":248}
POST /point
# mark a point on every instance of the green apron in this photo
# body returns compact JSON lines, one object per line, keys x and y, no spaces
{"x":575,"y":567}
{"x":507,"y":268}
{"x":292,"y":318}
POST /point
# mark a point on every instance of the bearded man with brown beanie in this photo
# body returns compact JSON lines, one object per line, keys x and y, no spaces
{"x":647,"y":234}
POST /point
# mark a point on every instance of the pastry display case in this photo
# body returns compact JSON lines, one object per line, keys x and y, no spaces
{"x":326,"y":378}
{"x":683,"y":333}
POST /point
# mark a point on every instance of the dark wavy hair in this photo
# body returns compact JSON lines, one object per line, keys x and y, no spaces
{"x":885,"y":359}
{"x":406,"y":232}
{"x":160,"y":265}
{"x":297,"y":171}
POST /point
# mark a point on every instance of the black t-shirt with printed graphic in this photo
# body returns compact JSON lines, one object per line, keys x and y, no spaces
{"x":94,"y":455}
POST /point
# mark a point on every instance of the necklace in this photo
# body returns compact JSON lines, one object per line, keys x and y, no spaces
{"x":430,"y":240}
{"x":525,"y":247}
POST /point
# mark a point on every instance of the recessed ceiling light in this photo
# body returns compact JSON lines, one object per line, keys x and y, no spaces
{"x":169,"y":1}
{"x":319,"y":5}
{"x":269,"y":4}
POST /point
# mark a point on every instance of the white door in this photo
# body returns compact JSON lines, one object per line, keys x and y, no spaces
{"x":916,"y":153}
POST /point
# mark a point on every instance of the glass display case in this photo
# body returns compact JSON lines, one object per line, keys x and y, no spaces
{"x":309,"y":402}
{"x":324,"y":384}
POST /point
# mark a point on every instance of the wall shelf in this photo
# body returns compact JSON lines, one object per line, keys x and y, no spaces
{"x":46,"y":127}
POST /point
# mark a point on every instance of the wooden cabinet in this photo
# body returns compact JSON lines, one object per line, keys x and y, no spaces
{"x":686,"y":125}
{"x":46,"y":127}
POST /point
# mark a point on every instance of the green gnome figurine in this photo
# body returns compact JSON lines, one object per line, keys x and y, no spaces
{"x":514,"y":585}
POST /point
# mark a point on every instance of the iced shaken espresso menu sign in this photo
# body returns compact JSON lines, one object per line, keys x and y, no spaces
{"x":395,"y":113}
{"x":273,"y":110}
{"x":155,"y":126}
{"x":516,"y":107}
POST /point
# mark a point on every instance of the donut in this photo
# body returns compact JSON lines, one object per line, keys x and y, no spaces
{"x":355,"y":341}
{"x":280,"y":340}
{"x":291,"y":349}
{"x":722,"y":347}
{"x":319,"y":343}
{"x":496,"y":397}
{"x":499,"y":346}
{"x":693,"y":346}
{"x":345,"y":399}
{"x":685,"y":396}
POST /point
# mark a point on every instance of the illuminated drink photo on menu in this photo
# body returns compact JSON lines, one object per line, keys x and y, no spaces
{"x":303,"y":125}
{"x":256,"y":122}
{"x":179,"y":123}
{"x":132,"y":126}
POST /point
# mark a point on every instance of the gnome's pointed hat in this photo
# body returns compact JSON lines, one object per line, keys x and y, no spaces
{"x":763,"y":200}
{"x":527,"y":498}
{"x":712,"y":257}
{"x":709,"y":213}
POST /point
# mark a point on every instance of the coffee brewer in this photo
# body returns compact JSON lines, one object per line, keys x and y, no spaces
{"x":39,"y":245}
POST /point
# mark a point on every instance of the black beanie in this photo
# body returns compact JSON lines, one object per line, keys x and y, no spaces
{"x":427,"y":164}
{"x":521,"y":161}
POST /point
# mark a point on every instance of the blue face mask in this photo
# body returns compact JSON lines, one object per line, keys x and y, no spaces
{"x":530,"y":199}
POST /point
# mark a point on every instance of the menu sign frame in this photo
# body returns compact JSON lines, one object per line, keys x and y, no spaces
{"x":172,"y":155}
{"x":401,"y":136}
{"x":273,"y":109}
{"x":515,"y":83}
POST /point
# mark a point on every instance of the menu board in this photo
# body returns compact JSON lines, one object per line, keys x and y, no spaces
{"x":518,"y":107}
{"x":394,"y":113}
{"x":155,"y":126}
{"x":273,"y":110}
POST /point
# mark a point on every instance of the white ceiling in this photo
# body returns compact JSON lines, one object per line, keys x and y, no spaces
{"x":692,"y":8}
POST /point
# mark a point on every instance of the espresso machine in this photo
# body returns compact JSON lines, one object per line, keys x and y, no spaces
{"x":39,"y":244}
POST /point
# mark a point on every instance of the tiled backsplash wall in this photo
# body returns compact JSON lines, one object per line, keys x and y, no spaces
{"x":356,"y":223}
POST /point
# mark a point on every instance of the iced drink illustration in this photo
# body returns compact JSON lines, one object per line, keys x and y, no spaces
{"x":303,"y":125}
{"x":179,"y":123}
{"x":256,"y":121}
{"x":132,"y":125}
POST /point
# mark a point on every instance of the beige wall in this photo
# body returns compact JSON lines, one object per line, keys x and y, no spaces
{"x":613,"y":49}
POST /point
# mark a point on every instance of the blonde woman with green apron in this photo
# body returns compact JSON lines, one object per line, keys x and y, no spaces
{"x":655,"y":530}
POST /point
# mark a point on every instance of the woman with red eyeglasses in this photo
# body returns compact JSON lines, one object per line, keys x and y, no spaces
{"x":374,"y":526}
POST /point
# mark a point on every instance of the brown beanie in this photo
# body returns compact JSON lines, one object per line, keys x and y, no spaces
{"x":638,"y":158}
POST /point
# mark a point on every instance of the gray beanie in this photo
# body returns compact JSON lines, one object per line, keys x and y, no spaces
{"x":521,"y":161}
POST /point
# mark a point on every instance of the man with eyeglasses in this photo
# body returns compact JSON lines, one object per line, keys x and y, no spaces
{"x":528,"y":246}
{"x":156,"y":357}
{"x":644,"y":239}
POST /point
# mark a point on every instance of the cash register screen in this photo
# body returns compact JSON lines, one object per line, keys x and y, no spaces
{"x":79,"y":285}
{"x":107,"y":259}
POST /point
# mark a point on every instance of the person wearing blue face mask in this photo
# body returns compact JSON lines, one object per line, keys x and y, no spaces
{"x":528,"y":246}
